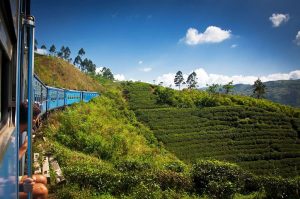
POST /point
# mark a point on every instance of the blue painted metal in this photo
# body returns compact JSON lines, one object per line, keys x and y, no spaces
{"x":18,"y":92}
{"x":29,"y":25}
{"x":72,"y":96}
{"x":55,"y":98}
{"x":87,"y":96}
{"x":40,"y":94}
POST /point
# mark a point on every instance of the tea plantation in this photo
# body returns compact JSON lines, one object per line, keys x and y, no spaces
{"x":262,"y":138}
{"x":105,"y":152}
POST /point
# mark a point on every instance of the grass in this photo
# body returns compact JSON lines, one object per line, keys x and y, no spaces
{"x":106,"y":152}
{"x":59,"y":73}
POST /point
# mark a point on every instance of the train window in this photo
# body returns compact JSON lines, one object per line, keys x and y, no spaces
{"x":4,"y":94}
{"x":1,"y":85}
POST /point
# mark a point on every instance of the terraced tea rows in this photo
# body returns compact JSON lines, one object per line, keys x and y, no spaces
{"x":264,"y":139}
{"x":261,"y":141}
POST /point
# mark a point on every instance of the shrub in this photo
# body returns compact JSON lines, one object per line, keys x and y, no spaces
{"x":218,"y":179}
{"x":277,"y":187}
{"x":173,"y":180}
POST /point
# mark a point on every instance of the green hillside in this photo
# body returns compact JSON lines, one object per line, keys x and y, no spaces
{"x":258,"y":135}
{"x":282,"y":91}
{"x":105,"y":152}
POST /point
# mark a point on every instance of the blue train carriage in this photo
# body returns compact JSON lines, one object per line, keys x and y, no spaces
{"x":72,"y":96}
{"x":56,"y":98}
{"x":15,"y":68}
{"x":40,"y":93}
{"x":87,"y":96}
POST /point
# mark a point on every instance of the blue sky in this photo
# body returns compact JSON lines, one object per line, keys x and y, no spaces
{"x":151,"y":40}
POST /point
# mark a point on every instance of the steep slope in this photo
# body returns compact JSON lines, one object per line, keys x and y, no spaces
{"x":283,"y":91}
{"x":261,"y":136}
{"x":59,"y":73}
{"x":105,"y":152}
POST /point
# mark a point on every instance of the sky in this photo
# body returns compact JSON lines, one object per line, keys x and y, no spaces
{"x":151,"y":40}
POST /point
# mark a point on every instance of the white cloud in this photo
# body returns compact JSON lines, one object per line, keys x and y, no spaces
{"x":98,"y":70}
{"x":212,"y":34}
{"x":42,"y":51}
{"x":278,"y":19}
{"x":297,"y":40}
{"x":147,"y":69}
{"x":205,"y":78}
{"x":140,"y":62}
{"x":233,"y":46}
{"x":119,"y":77}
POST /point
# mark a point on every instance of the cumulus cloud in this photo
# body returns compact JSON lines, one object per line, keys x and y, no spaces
{"x":278,"y":19}
{"x":205,"y":78}
{"x":42,"y":51}
{"x":140,"y":62}
{"x":233,"y":46}
{"x":297,"y":40}
{"x":119,"y":77}
{"x":212,"y":34}
{"x":147,"y":69}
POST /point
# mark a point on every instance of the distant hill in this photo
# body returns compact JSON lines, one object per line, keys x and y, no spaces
{"x":282,"y":91}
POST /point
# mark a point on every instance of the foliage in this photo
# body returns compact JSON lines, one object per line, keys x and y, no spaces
{"x":178,"y":80}
{"x":81,"y":52}
{"x":59,"y":73}
{"x":214,"y":88}
{"x":282,"y":91}
{"x":192,"y":80}
{"x":103,"y":149}
{"x":87,"y":65}
{"x":35,"y":44}
{"x":257,"y":134}
{"x":105,"y":152}
{"x":106,"y":73}
{"x":218,"y":179}
{"x":52,"y":50}
{"x":259,"y":89}
{"x":43,"y":47}
{"x":228,"y":87}
{"x":77,"y":61}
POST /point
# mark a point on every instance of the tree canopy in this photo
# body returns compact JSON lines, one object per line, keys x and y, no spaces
{"x":228,"y":87}
{"x":259,"y":89}
{"x":178,"y":80}
{"x":192,"y":80}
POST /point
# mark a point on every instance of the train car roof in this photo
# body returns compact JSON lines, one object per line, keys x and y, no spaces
{"x":37,"y":78}
{"x":54,"y":88}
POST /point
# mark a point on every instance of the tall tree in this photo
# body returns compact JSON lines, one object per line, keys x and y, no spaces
{"x":228,"y":87}
{"x":67,"y":53}
{"x":83,"y":64}
{"x":214,"y":88}
{"x":192,"y":80}
{"x":178,"y":80}
{"x":106,"y":73}
{"x":77,"y":61}
{"x":52,"y":49}
{"x":259,"y":89}
{"x":35,"y":45}
{"x":43,"y":47}
{"x":81,"y":52}
{"x":90,"y":67}
{"x":61,"y":52}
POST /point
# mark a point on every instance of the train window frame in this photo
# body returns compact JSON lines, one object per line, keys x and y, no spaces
{"x":1,"y":86}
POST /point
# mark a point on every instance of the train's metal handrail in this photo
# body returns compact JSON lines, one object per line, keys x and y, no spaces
{"x":29,"y":24}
